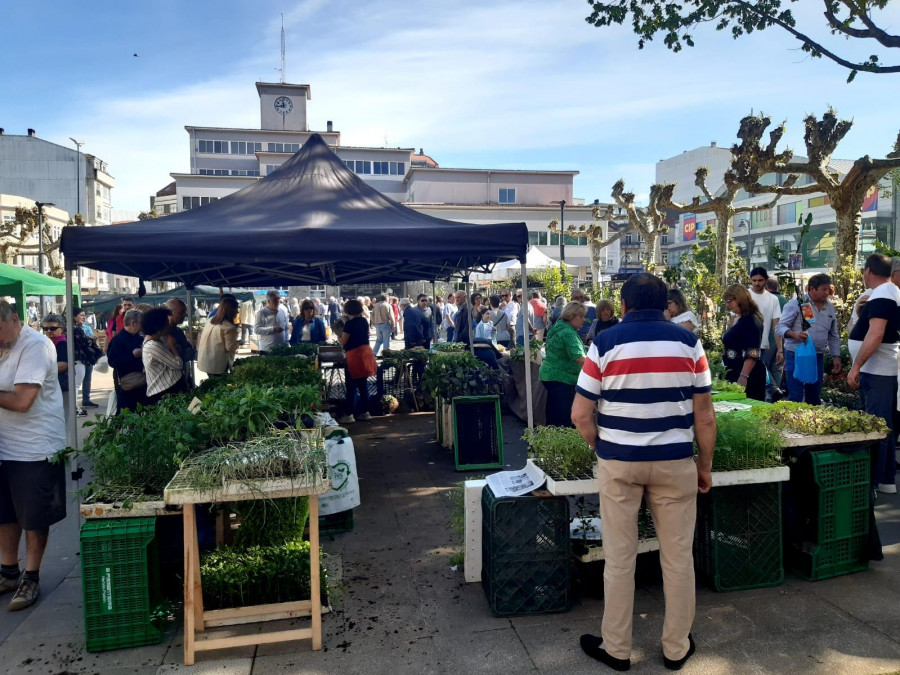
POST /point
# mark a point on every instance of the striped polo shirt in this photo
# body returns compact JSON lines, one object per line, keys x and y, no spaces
{"x":644,"y":372}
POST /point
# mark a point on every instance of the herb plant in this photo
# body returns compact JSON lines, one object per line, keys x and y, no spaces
{"x":234,"y":413}
{"x":460,"y":374}
{"x":560,"y":452}
{"x":517,"y":353}
{"x":744,"y":441}
{"x":816,"y":420}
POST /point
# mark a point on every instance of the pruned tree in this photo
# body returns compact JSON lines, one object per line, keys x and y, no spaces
{"x":750,"y":160}
{"x":846,"y":193}
{"x":597,"y":234}
{"x":648,"y":221}
{"x":18,"y":236}
{"x":149,"y":215}
{"x":851,"y":19}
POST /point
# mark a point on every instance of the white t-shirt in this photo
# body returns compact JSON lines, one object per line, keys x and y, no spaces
{"x":883,"y":303}
{"x":687,"y":316}
{"x":35,"y":435}
{"x":770,"y":309}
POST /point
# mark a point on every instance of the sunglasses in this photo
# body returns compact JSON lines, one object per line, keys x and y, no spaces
{"x":50,"y":329}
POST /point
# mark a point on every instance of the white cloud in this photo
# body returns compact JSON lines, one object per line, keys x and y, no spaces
{"x":464,"y":79}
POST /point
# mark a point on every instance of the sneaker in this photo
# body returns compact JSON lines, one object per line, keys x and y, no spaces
{"x":887,"y":488}
{"x":8,"y":584}
{"x":346,"y":419}
{"x":678,"y":664}
{"x":81,"y":413}
{"x":364,"y":417}
{"x":89,"y":404}
{"x":590,"y":644}
{"x":26,"y":595}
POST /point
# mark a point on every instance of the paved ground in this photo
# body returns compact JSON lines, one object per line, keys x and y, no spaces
{"x":402,"y":609}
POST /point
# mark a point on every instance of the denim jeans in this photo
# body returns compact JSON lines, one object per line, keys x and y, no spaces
{"x":774,"y":369}
{"x":382,"y":337}
{"x":246,"y":331}
{"x":86,"y":386}
{"x":796,"y":389}
{"x":879,"y":397}
{"x":450,"y":332}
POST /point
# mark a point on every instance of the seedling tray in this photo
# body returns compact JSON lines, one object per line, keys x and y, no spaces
{"x":182,"y":488}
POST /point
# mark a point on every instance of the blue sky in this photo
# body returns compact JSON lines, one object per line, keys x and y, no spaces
{"x":523,"y":84}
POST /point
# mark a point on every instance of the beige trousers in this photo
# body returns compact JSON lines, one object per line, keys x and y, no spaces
{"x":671,"y":491}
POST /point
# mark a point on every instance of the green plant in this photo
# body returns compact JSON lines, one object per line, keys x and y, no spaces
{"x":277,"y":371}
{"x":553,"y":280}
{"x":744,"y":441}
{"x":716,"y":366}
{"x":723,"y":386}
{"x":143,"y":450}
{"x":816,"y":420}
{"x":452,"y":347}
{"x":460,"y":374}
{"x":517,"y":353}
{"x":298,"y":455}
{"x":235,"y":412}
{"x":305,"y":349}
{"x":258,"y":575}
{"x":560,"y":452}
{"x":270,"y":522}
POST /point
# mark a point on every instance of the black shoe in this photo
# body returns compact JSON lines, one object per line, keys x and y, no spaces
{"x":672,"y":664}
{"x":590,"y":644}
{"x":89,"y":404}
{"x":81,"y":413}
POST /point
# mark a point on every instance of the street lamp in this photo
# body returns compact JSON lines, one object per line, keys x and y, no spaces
{"x":40,"y":207}
{"x":78,"y":189}
{"x":562,"y":231}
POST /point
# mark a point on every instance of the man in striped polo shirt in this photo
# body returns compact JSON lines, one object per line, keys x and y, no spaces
{"x":643,"y":393}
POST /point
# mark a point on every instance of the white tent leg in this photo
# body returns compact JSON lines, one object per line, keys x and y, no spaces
{"x":469,"y":317}
{"x":190,"y":318}
{"x":527,"y":344}
{"x":72,"y":421}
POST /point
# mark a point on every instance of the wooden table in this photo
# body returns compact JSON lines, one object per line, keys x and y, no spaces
{"x":196,"y":620}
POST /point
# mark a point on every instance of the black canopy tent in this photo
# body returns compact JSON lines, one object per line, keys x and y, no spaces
{"x":313,"y":221}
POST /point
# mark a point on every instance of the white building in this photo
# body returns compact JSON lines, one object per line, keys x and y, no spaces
{"x":35,"y":170}
{"x":223,"y":161}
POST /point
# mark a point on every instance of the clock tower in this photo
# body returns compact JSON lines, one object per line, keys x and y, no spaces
{"x":283,"y":106}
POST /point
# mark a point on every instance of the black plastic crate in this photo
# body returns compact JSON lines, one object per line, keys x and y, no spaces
{"x":336,"y":523}
{"x":526,"y":554}
{"x":477,"y":433}
{"x":738,"y":543}
{"x":389,"y":380}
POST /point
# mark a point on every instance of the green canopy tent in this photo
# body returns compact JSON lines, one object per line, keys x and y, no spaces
{"x":17,"y":283}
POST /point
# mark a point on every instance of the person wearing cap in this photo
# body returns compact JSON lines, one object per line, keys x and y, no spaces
{"x":824,"y":333}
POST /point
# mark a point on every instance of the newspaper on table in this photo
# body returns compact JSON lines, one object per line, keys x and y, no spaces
{"x":516,"y":483}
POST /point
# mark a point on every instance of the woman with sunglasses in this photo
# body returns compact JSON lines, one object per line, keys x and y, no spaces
{"x":52,"y":327}
{"x":308,"y":326}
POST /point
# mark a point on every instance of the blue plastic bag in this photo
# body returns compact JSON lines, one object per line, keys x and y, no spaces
{"x":806,"y":368}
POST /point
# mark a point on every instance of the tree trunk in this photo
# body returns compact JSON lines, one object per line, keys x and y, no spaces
{"x":651,"y":250}
{"x":596,"y":251}
{"x":846,"y":243}
{"x":723,"y":239}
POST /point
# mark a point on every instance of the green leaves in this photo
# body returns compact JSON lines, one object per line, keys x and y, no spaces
{"x":560,"y":452}
{"x":819,"y":420}
{"x":744,"y":441}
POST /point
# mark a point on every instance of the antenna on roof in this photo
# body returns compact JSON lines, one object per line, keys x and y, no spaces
{"x":282,"y":48}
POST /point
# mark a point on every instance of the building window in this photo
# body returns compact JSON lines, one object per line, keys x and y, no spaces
{"x":538,"y":238}
{"x":245,"y":147}
{"x":787,"y":213}
{"x":284,"y":147}
{"x":213,"y":147}
{"x":554,"y":239}
{"x":664,"y":258}
{"x":270,"y":168}
{"x":507,"y":195}
{"x":819,"y":201}
{"x":381,"y":168}
{"x":629,"y":238}
{"x":664,"y":240}
{"x":188,"y":203}
{"x":398,"y":168}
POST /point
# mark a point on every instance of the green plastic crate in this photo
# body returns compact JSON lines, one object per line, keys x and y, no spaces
{"x":737,"y":544}
{"x":120,"y":582}
{"x":477,"y":433}
{"x":843,"y":488}
{"x":336,"y":523}
{"x":832,"y":491}
{"x":832,"y":559}
{"x":526,"y":554}
{"x":439,"y":419}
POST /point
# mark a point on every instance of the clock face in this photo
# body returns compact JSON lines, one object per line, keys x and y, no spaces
{"x":283,"y":105}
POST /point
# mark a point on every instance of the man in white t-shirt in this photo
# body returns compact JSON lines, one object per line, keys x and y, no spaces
{"x":770,"y":308}
{"x":32,"y":430}
{"x":874,"y":344}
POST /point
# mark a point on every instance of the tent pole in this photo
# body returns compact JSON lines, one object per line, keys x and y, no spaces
{"x":190,"y":318}
{"x":523,"y":311}
{"x":71,"y":421}
{"x":469,"y":317}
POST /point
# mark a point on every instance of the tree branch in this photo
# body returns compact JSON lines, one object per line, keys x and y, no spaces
{"x":759,"y":207}
{"x":871,"y":31}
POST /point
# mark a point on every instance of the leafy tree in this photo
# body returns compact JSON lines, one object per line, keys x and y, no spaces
{"x":851,"y":19}
{"x":553,"y":280}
